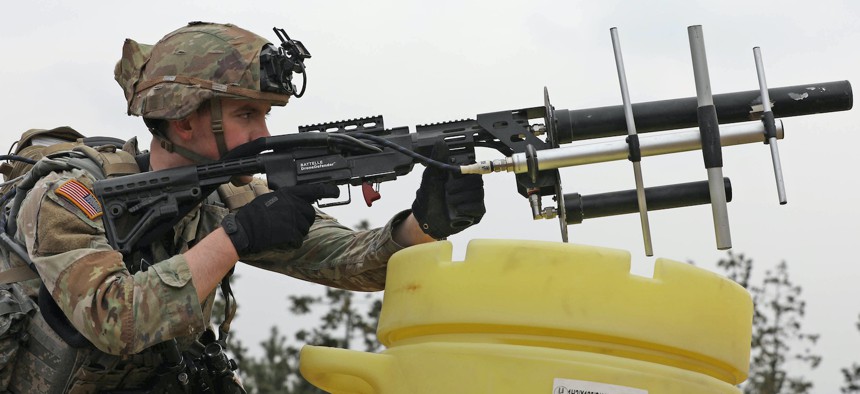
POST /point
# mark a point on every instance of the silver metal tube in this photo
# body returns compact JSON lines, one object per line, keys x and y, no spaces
{"x":700,"y":66}
{"x":643,"y":209}
{"x":719,"y":211}
{"x":762,"y":82}
{"x":715,"y":174}
{"x":651,"y":144}
{"x":535,"y":203}
{"x":631,"y":130}
{"x":622,"y":80}
{"x":774,"y":150}
{"x":777,"y":171}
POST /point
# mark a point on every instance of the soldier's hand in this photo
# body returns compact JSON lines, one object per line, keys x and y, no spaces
{"x":447,"y":203}
{"x":282,"y":217}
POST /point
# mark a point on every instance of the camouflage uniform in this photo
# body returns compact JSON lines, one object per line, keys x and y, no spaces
{"x":122,"y":310}
{"x":123,"y":313}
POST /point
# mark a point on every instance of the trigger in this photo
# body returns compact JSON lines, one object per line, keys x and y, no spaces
{"x":370,"y":195}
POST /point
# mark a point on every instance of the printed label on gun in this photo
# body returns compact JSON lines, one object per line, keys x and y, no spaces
{"x":318,"y":164}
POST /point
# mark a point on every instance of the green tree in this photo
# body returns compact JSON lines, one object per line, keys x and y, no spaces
{"x":275,"y":370}
{"x":738,"y":268}
{"x":852,"y":376}
{"x":347,"y":320}
{"x":349,"y":317}
{"x":777,"y":329}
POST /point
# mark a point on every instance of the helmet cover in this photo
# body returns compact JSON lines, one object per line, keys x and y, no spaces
{"x":190,"y":65}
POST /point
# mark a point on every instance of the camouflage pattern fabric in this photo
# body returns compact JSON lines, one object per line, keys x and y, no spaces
{"x":335,"y":256}
{"x":15,"y":310}
{"x":123,"y":313}
{"x":118,"y":312}
{"x":44,"y":359}
{"x":190,"y":65}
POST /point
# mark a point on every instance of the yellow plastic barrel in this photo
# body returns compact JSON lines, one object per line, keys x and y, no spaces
{"x":545,"y":317}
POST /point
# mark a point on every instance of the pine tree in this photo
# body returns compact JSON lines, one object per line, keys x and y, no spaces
{"x":777,"y":329}
{"x":852,"y":376}
{"x":738,"y":268}
{"x":349,"y":317}
{"x":272,"y":372}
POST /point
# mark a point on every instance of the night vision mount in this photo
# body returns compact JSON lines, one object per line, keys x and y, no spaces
{"x":277,"y":65}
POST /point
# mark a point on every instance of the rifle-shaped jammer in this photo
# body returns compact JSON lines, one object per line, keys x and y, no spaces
{"x":535,"y":143}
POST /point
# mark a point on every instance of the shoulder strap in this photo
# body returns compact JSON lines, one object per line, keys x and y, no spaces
{"x":101,"y":163}
{"x":111,"y":162}
{"x":17,"y":274}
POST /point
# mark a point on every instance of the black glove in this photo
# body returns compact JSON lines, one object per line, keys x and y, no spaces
{"x":447,"y":203}
{"x":281,"y":217}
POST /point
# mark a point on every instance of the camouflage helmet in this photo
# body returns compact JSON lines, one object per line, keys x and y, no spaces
{"x":193,"y":64}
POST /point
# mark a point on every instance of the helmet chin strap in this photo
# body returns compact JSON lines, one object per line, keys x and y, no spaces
{"x":217,"y":122}
{"x":170,"y":147}
{"x":217,"y":125}
{"x":218,"y":129}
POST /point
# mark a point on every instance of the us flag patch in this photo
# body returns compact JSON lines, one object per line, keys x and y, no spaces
{"x":82,"y":197}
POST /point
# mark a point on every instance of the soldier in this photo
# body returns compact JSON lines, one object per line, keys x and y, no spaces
{"x":202,"y":90}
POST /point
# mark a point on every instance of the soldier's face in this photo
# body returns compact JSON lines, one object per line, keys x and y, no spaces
{"x":243,"y":121}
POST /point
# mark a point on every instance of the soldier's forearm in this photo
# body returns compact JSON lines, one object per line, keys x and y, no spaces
{"x":209,"y":261}
{"x":409,"y":233}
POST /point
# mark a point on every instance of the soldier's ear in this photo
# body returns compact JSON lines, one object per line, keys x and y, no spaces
{"x":182,"y":128}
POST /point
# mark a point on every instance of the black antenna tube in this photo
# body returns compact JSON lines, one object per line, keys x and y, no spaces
{"x":582,"y":124}
{"x":581,"y":207}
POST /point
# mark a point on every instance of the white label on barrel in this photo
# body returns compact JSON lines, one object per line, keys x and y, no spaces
{"x":567,"y":386}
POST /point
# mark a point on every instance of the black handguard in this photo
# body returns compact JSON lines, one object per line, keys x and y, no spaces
{"x":447,"y":203}
{"x":282,"y":217}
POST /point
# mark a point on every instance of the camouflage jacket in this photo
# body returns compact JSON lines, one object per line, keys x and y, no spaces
{"x":123,"y":313}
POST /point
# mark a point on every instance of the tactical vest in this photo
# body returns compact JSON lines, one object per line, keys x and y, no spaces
{"x":33,"y":357}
